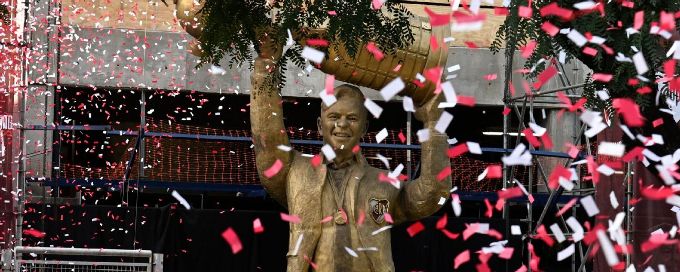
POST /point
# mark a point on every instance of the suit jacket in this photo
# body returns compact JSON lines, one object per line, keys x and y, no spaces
{"x":413,"y":200}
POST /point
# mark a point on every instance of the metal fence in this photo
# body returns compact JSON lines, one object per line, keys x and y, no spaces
{"x":47,"y":259}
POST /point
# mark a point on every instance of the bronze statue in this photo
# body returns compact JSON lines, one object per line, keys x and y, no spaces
{"x":347,"y":189}
{"x":345,"y":204}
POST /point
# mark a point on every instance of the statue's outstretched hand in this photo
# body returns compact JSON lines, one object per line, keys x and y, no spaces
{"x":429,"y":112}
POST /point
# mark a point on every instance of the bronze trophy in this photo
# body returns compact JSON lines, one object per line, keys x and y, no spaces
{"x":345,"y":206}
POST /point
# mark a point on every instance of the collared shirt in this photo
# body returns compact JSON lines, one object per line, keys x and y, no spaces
{"x":331,"y":254}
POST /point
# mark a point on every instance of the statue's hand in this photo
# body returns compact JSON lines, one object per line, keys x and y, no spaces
{"x":429,"y":112}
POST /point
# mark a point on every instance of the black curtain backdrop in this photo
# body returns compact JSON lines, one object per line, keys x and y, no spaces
{"x":191,"y":239}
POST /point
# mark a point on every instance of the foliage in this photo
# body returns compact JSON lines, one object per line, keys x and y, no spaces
{"x":233,"y":28}
{"x":611,"y":24}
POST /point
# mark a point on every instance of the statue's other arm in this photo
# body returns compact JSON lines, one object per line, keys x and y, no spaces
{"x":268,"y":131}
{"x":420,"y":197}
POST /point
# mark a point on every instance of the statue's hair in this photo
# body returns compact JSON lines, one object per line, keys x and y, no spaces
{"x":347,"y":91}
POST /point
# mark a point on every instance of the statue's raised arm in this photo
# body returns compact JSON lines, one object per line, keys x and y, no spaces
{"x":268,"y":131}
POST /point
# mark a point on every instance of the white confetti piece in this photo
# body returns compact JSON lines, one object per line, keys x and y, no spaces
{"x":640,"y":63}
{"x":519,"y":156}
{"x":474,"y":148}
{"x":577,"y":38}
{"x":449,"y":94}
{"x":576,"y":228}
{"x":391,"y":89}
{"x":607,"y":248}
{"x":443,"y":122}
{"x":181,"y":200}
{"x":613,"y":200}
{"x":297,"y":245}
{"x":423,"y":135}
{"x":367,"y":249}
{"x":565,"y":253}
{"x":611,"y":149}
{"x":585,"y":5}
{"x":373,"y":108}
{"x":312,"y":55}
{"x":216,"y":70}
{"x":455,"y":204}
{"x":515,"y":230}
{"x":538,"y":130}
{"x":328,"y":99}
{"x":407,"y":102}
{"x":381,"y":229}
{"x":441,"y":201}
{"x":397,"y":171}
{"x":673,"y":200}
{"x":381,"y":136}
{"x":383,"y":159}
{"x":589,"y":205}
{"x":557,"y":231}
{"x":453,"y":68}
{"x":605,"y":170}
{"x":351,"y":252}
{"x":328,"y":152}
{"x":284,"y":148}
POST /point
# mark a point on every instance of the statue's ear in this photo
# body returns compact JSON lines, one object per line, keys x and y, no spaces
{"x":318,"y":125}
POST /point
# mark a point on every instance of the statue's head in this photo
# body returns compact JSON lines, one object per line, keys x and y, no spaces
{"x":344,"y":123}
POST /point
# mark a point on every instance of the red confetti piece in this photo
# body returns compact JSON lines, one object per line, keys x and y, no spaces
{"x":462,"y":258}
{"x":356,"y":149}
{"x":388,"y":218}
{"x":528,"y":49}
{"x":433,"y":43}
{"x":444,"y":173}
{"x":373,"y":49}
{"x":471,"y":45}
{"x":470,"y":230}
{"x":441,"y":223}
{"x":311,"y":263}
{"x":466,"y":100}
{"x":415,"y":228}
{"x":550,"y":29}
{"x":290,"y":218}
{"x":543,"y":235}
{"x":644,"y":90}
{"x":326,"y":219}
{"x":317,"y":42}
{"x":490,"y":77}
{"x":547,"y":141}
{"x":330,"y":82}
{"x":545,"y":76}
{"x":559,"y":171}
{"x":500,"y":11}
{"x":457,"y":150}
{"x":257,"y":226}
{"x":506,"y":111}
{"x":274,"y":169}
{"x":635,"y":153}
{"x":667,"y":21}
{"x":489,"y":208}
{"x":657,"y":122}
{"x":510,"y":193}
{"x":566,"y":207}
{"x":450,"y":235}
{"x":555,"y":10}
{"x":602,"y":77}
{"x":316,"y":160}
{"x":506,"y":253}
{"x":402,"y":138}
{"x":525,"y":12}
{"x":332,"y":13}
{"x":639,"y":20}
{"x":376,"y":4}
{"x":629,"y":110}
{"x":34,"y":233}
{"x":437,"y":19}
{"x":661,"y":193}
{"x":494,"y":171}
{"x":230,"y":236}
{"x":529,"y":135}
{"x":362,"y":217}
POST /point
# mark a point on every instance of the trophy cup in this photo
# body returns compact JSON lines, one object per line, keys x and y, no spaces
{"x":362,"y":70}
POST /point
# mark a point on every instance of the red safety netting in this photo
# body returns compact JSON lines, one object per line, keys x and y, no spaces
{"x":233,"y":162}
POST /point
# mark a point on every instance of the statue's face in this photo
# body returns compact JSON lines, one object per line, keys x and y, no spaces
{"x":343,"y":124}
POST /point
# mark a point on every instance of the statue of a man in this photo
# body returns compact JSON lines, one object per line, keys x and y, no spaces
{"x":341,"y":203}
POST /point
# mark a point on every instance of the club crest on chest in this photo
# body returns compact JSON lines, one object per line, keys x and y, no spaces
{"x":378,"y":209}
